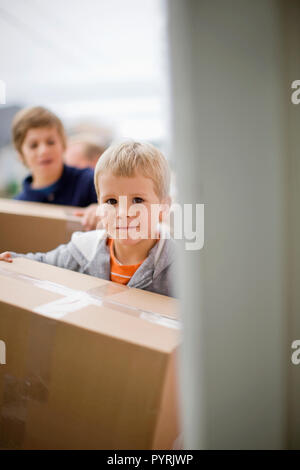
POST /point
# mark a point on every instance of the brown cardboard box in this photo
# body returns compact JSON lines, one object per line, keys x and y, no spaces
{"x":32,"y":226}
{"x":89,"y":364}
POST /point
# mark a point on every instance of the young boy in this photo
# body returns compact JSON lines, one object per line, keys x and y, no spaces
{"x":39,"y":138}
{"x":132,"y":182}
{"x":83,"y":151}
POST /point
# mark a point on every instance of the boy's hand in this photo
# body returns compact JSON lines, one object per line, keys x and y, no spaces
{"x":90,"y":219}
{"x":6,"y":256}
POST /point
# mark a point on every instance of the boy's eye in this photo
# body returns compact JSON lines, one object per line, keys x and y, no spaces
{"x":35,"y":144}
{"x":137,"y":200}
{"x":111,"y":201}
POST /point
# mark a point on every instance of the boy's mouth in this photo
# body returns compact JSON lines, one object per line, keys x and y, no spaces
{"x":127,"y":228}
{"x":45,"y":162}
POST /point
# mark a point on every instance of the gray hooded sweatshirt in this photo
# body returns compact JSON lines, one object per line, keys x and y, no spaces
{"x":88,"y":253}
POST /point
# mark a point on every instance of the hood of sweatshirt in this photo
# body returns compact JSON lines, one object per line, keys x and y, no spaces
{"x":92,"y":253}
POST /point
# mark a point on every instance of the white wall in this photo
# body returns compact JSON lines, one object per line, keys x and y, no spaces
{"x":229,"y":127}
{"x":292,"y":69}
{"x":93,"y":61}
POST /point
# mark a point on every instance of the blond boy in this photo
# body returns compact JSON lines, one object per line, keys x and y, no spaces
{"x":132,"y":182}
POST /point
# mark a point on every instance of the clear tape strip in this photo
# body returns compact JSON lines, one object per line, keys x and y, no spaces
{"x":73,"y":300}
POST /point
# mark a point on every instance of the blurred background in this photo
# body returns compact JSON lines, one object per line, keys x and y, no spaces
{"x":101,"y":66}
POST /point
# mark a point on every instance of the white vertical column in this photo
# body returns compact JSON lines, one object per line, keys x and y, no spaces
{"x":229,"y":145}
{"x":292,"y":70}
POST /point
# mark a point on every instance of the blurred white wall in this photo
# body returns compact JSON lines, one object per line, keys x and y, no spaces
{"x":292,"y":70}
{"x":230,"y":141}
{"x":97,"y":60}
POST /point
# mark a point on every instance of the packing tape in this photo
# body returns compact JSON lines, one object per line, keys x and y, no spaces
{"x":73,"y":300}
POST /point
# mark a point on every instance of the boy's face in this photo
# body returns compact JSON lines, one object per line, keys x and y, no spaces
{"x":42,"y":150}
{"x":125,"y":206}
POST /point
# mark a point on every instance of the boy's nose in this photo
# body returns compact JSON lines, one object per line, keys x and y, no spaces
{"x":122,"y":207}
{"x":43,"y":149}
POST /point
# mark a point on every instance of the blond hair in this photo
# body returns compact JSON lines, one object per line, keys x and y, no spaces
{"x":35,"y":117}
{"x":127,"y":158}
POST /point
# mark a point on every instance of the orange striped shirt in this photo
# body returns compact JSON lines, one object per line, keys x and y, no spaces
{"x":120,"y":273}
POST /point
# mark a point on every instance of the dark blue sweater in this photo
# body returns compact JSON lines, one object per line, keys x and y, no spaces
{"x":75,"y":187}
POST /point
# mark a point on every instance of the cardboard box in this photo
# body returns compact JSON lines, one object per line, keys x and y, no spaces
{"x":89,"y":364}
{"x":32,"y":226}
